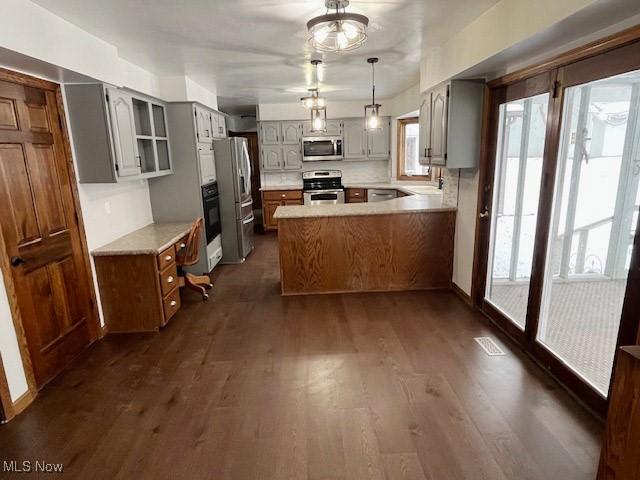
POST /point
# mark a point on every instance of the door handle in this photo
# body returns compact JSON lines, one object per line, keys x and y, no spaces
{"x":484,"y":214}
{"x":16,"y":261}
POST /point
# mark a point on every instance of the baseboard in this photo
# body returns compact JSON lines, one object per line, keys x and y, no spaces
{"x":23,"y":402}
{"x":462,"y":294}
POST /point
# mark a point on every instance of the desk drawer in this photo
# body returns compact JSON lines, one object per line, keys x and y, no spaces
{"x":171,"y":304}
{"x":166,"y":258}
{"x":181,"y":245}
{"x":168,"y":279}
{"x":282,"y":194}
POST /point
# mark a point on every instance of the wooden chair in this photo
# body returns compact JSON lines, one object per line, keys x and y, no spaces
{"x":189,"y":255}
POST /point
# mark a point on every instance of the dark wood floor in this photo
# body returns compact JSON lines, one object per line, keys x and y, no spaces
{"x":255,"y":386}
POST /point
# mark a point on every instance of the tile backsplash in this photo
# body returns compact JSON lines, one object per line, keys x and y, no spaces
{"x":364,"y":172}
{"x":352,"y":172}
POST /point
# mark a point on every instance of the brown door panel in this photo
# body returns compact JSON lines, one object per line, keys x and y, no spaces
{"x":40,"y":231}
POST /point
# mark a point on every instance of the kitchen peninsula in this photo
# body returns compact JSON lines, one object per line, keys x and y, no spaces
{"x":401,"y":244}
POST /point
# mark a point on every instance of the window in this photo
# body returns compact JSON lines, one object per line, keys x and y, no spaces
{"x":409,"y":167}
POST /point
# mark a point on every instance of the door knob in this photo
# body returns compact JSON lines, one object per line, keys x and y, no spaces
{"x":484,"y":214}
{"x":15,"y":261}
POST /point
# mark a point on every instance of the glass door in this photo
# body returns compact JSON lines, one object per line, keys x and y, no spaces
{"x":594,"y":219}
{"x":558,"y":263}
{"x":516,"y":186}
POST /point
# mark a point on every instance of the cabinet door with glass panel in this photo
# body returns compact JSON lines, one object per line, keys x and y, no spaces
{"x":151,"y":137}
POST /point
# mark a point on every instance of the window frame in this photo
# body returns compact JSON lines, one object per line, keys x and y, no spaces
{"x":401,"y":160}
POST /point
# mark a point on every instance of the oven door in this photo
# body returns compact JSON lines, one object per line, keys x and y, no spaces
{"x":212,"y":225}
{"x":319,"y":148}
{"x":324,"y":197}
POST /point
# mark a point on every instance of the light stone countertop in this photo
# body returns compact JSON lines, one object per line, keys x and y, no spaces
{"x":149,"y":240}
{"x":409,"y":204}
{"x":408,"y":188}
{"x":281,"y":187}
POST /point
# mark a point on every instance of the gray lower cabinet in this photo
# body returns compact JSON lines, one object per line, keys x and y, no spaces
{"x":272,"y":158}
{"x":450,"y":124}
{"x":117,"y":135}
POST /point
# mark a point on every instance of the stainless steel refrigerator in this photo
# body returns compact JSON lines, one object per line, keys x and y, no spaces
{"x":233,"y":170}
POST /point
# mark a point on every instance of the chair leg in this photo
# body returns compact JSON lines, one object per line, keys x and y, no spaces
{"x":198,"y":283}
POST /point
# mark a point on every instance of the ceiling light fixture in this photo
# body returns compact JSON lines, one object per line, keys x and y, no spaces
{"x":318,"y":105}
{"x":339,"y":31}
{"x":372,"y":111}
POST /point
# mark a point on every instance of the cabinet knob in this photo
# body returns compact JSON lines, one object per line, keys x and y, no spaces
{"x":170,"y":279}
{"x":173,"y":303}
{"x":182,"y":245}
{"x":168,"y":258}
{"x":356,"y":194}
{"x":284,"y":195}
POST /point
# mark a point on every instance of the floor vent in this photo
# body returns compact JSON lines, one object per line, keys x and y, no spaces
{"x":490,"y":347}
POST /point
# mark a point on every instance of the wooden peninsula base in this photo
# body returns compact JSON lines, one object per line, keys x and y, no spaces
{"x":366,"y":253}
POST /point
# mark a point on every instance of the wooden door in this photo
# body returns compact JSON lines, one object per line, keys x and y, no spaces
{"x":439,"y":115}
{"x":270,"y":133}
{"x":292,"y":157}
{"x":271,"y":158}
{"x":378,"y":141}
{"x":40,"y":227}
{"x":354,"y":139}
{"x":124,"y":133}
{"x":291,"y":133}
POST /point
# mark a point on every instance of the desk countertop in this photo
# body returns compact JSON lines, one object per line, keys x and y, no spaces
{"x":149,"y":240}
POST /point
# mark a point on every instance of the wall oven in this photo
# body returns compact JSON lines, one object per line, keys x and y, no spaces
{"x":211,"y":204}
{"x":321,"y":148}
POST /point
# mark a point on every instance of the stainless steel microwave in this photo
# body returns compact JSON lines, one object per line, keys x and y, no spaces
{"x":321,"y":148}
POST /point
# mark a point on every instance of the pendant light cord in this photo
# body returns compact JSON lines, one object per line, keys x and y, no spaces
{"x":373,"y":83}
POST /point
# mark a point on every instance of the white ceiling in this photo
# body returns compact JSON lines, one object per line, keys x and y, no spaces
{"x":256,"y":51}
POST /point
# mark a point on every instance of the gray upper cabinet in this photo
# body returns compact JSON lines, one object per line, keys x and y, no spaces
{"x":291,"y":157}
{"x":450,"y":124}
{"x":355,"y":141}
{"x":272,"y":158}
{"x":123,"y":133}
{"x":291,"y":133}
{"x":204,"y":124}
{"x":222,"y":125}
{"x":378,"y":141}
{"x":334,"y":127}
{"x":207,"y":164}
{"x":270,"y":133}
{"x":439,"y":111}
{"x":424,"y":133}
{"x":117,"y":135}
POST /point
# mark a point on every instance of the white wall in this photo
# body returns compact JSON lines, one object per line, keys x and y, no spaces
{"x":236,"y":123}
{"x":465,"y":229}
{"x":9,"y":349}
{"x":499,"y":28}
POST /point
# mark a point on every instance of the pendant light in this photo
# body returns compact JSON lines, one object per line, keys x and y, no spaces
{"x":372,"y":111}
{"x":339,"y":31}
{"x":318,"y":105}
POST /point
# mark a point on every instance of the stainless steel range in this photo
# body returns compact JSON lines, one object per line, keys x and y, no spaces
{"x":323,"y":187}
